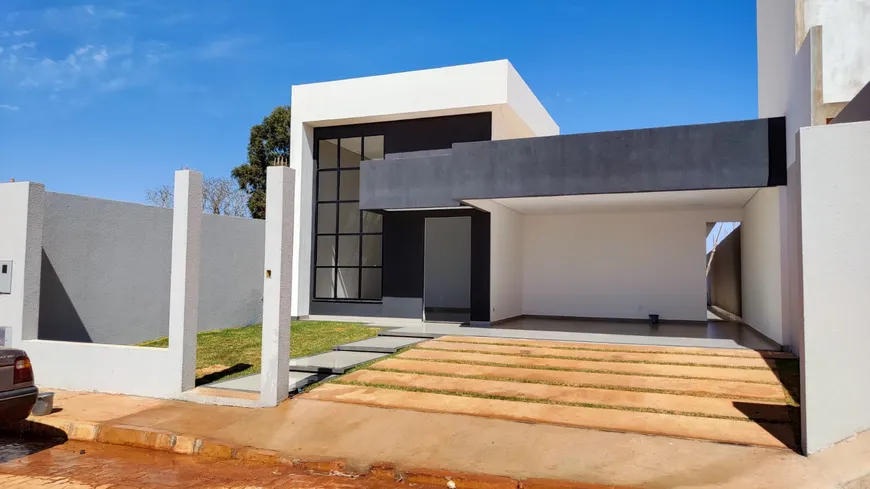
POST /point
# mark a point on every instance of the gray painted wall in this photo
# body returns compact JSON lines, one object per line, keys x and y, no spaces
{"x":447,"y":263}
{"x":725,"y":285}
{"x":105,"y":271}
{"x":857,"y":110}
{"x":704,"y":156}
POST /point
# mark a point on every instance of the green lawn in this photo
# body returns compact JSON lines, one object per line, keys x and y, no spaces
{"x":234,"y":352}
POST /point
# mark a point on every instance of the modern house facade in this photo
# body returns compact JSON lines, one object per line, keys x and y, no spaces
{"x":451,"y":194}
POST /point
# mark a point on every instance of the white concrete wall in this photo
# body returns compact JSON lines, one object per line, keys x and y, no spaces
{"x":845,"y":45}
{"x":21,"y":214}
{"x":618,"y":265}
{"x":506,"y":260}
{"x":74,"y":366}
{"x":529,"y":112}
{"x":799,"y":92}
{"x":761,"y":263}
{"x":447,"y":262}
{"x":835,"y":169}
{"x":131,"y":370}
{"x":481,"y":87}
{"x":776,"y":46}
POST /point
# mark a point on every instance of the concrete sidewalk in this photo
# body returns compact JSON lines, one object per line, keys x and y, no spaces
{"x":351,"y":438}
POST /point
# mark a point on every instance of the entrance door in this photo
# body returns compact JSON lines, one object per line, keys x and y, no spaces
{"x":447,"y":269}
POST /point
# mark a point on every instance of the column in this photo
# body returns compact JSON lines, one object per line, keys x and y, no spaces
{"x":184,"y":276}
{"x":277,"y":285}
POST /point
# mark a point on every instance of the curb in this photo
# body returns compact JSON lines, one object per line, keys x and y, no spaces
{"x":167,"y":441}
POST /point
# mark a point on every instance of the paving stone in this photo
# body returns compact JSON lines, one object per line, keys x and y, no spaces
{"x":601,"y":355}
{"x":727,"y":352}
{"x":735,"y":374}
{"x":668,"y":402}
{"x":333,"y":362}
{"x":380,"y":344}
{"x":735,"y":390}
{"x":721,"y":430}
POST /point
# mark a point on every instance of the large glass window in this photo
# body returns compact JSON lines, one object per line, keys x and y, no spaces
{"x":348,"y":252}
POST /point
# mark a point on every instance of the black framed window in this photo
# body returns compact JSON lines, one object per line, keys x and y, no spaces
{"x":348,"y":252}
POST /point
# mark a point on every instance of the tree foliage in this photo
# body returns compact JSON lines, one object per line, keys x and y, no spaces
{"x":219,"y":196}
{"x":269,"y":144}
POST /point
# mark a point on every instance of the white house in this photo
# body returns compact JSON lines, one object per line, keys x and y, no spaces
{"x":451,"y":194}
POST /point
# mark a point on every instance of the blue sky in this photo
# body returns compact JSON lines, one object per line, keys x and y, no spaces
{"x":109,"y":98}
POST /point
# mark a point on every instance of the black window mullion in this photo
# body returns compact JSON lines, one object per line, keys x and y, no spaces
{"x":335,"y":234}
{"x":362,"y":151}
{"x":337,"y":218}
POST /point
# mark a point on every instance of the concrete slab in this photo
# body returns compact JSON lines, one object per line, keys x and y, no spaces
{"x":662,"y":357}
{"x":379,"y":344}
{"x":251,"y":383}
{"x":750,"y":410}
{"x":333,"y":362}
{"x":726,"y":389}
{"x":438,"y":330}
{"x":733,"y":374}
{"x":724,"y":352}
{"x":720,"y":430}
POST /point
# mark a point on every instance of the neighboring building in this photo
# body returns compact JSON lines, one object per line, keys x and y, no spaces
{"x":450,"y":194}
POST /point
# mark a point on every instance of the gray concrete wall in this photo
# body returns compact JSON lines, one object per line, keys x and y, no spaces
{"x":857,"y":110}
{"x":735,"y":154}
{"x":105,"y":271}
{"x":724,"y":279}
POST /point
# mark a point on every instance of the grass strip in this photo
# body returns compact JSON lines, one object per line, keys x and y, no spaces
{"x":645,"y":390}
{"x":461,"y":393}
{"x":595,"y":371}
{"x":607,"y":350}
{"x":239,"y":348}
{"x":603,"y":360}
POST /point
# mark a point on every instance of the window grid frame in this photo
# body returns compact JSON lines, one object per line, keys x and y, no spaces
{"x":360,"y":233}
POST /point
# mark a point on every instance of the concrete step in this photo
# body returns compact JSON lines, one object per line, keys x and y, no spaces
{"x":251,"y":383}
{"x":333,"y":362}
{"x":380,"y":344}
{"x":411,"y":333}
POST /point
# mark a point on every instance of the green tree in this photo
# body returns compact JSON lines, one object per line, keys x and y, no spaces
{"x":269,"y":144}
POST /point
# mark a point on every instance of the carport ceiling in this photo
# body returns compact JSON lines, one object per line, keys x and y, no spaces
{"x":642,"y":201}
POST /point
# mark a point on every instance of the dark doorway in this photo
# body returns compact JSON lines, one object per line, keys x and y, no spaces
{"x":447,"y":269}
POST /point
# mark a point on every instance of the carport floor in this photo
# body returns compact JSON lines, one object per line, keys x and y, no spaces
{"x":732,"y":396}
{"x":712,"y":334}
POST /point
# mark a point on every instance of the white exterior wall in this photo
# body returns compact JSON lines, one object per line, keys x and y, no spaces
{"x":776,"y":46}
{"x":618,"y":265}
{"x":845,"y":45}
{"x":66,"y":365}
{"x":21,"y":241}
{"x":761,"y":263}
{"x":506,"y":260}
{"x":131,"y":370}
{"x":482,"y":87}
{"x":835,"y":168}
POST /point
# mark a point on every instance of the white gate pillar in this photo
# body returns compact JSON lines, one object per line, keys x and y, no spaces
{"x":184,"y":277}
{"x":277,"y":285}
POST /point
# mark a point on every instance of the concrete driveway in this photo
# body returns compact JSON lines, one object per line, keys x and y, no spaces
{"x":730,"y":396}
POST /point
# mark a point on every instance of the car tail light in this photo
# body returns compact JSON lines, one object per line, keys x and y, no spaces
{"x":23,"y":371}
